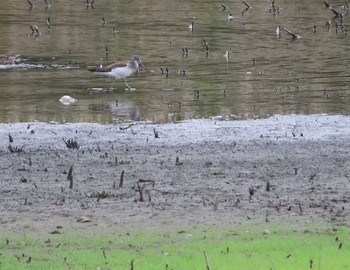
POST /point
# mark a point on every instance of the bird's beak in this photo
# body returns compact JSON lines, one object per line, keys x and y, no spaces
{"x":142,"y":65}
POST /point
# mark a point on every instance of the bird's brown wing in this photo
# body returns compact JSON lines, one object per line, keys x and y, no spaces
{"x":109,"y":67}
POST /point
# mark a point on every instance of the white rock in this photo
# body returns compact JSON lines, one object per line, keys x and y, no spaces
{"x":67,"y":100}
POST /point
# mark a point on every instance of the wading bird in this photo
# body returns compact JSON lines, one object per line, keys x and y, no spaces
{"x":121,"y":70}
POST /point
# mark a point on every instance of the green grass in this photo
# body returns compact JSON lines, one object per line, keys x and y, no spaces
{"x":244,"y":248}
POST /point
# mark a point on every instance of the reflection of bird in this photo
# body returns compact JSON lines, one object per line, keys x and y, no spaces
{"x":100,"y":107}
{"x":8,"y":59}
{"x":294,"y":36}
{"x":121,"y":70}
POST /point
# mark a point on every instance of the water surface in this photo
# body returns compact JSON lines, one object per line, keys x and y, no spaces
{"x":265,"y":74}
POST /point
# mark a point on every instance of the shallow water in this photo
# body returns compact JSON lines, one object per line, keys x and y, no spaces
{"x":305,"y":76}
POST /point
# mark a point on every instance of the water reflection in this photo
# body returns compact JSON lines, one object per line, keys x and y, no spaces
{"x":264,"y":74}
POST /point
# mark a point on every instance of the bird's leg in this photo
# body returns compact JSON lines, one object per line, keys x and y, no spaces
{"x":112,"y":84}
{"x":128,"y":86}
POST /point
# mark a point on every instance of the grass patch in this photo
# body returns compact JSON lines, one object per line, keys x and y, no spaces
{"x":243,"y":248}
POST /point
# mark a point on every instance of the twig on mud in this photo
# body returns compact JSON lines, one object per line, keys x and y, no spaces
{"x":215,"y":204}
{"x":237,"y":202}
{"x":251,"y":192}
{"x":312,"y":176}
{"x":206,"y":260}
{"x":141,"y":189}
{"x":156,"y":135}
{"x":300,"y":209}
{"x":268,"y":186}
{"x":295,"y":171}
{"x":70,"y":177}
{"x":121,"y":179}
{"x":147,"y":181}
{"x":15,"y":149}
{"x":149,"y":195}
{"x":99,"y":195}
{"x":125,"y":128}
{"x":71,"y":144}
{"x":177,"y":162}
{"x":4,"y":168}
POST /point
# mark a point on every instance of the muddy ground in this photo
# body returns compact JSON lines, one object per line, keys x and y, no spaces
{"x":285,"y":169}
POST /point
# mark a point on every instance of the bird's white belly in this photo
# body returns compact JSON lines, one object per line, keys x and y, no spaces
{"x":121,"y":72}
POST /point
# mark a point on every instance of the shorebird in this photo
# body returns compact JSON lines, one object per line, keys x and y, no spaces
{"x":121,"y":70}
{"x":8,"y":59}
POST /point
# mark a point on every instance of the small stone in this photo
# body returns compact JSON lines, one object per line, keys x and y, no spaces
{"x":83,"y":220}
{"x":266,"y":231}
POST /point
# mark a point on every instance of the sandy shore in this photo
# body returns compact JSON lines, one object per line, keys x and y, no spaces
{"x":288,"y":169}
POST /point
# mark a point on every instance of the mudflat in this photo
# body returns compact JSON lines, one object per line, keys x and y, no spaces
{"x":287,"y":169}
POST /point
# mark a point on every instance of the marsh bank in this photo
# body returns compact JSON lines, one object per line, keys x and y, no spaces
{"x":286,"y":169}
